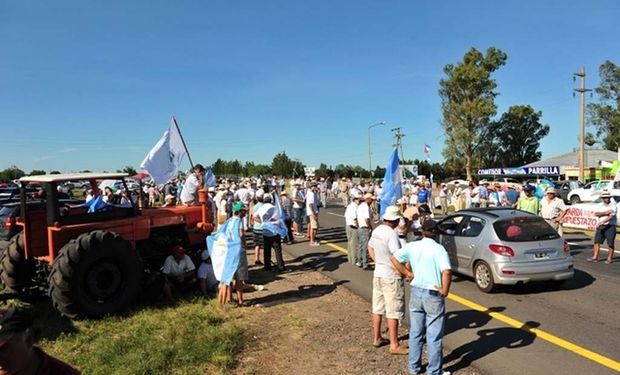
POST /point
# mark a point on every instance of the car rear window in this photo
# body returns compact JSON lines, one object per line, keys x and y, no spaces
{"x":523,"y":229}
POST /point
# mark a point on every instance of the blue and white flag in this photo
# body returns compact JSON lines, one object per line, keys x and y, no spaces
{"x":392,"y":186}
{"x":276,"y":223}
{"x":97,"y":204}
{"x":164,"y":159}
{"x":210,"y":179}
{"x":225,"y":250}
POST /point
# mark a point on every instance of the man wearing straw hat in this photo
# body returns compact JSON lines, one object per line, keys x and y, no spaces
{"x":552,"y":209}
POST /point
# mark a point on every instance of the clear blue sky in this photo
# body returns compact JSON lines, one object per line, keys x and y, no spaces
{"x":92,"y":85}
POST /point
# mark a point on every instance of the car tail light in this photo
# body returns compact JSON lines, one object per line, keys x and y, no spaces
{"x":8,"y":223}
{"x":566,"y":247}
{"x":502,"y":250}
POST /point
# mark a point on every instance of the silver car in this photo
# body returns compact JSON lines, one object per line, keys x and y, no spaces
{"x":504,"y":246}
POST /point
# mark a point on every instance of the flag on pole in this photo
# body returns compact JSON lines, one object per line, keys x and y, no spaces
{"x":427,"y":149}
{"x":164,"y":159}
{"x":210,"y":178}
{"x":225,"y":250}
{"x":392,"y":186}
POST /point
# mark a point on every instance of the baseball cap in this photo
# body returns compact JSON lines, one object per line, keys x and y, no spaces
{"x":238,"y":206}
{"x":392,"y":213}
{"x":178,"y":250}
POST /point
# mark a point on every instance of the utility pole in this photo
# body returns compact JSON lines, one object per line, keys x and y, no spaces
{"x":582,"y":121}
{"x":399,"y":144}
{"x":369,"y":153}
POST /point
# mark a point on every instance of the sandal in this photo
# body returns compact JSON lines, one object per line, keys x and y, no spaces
{"x":592,"y":260}
{"x":380,"y":343}
{"x":608,"y":261}
{"x":399,"y":351}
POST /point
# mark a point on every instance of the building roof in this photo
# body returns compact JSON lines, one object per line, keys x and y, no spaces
{"x":571,"y":159}
{"x":74,"y":177}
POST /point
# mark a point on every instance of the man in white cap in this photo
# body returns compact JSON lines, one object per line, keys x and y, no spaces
{"x":388,"y":290}
{"x":350,"y":218}
{"x":605,"y":227}
{"x":552,"y":209}
{"x":364,"y":230}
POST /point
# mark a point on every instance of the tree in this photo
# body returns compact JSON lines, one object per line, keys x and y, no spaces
{"x":55,"y":172}
{"x":590,"y":139}
{"x":11,"y":173}
{"x":282,"y":165}
{"x":37,"y":172}
{"x":605,"y":115}
{"x":468,"y":103}
{"x":517,"y":135}
{"x":129,"y":170}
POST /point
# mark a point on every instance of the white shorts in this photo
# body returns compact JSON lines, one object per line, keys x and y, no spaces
{"x":388,"y":298}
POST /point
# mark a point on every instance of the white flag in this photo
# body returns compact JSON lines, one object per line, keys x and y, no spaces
{"x":163,"y":161}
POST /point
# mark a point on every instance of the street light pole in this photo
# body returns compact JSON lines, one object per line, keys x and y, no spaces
{"x":369,"y":153}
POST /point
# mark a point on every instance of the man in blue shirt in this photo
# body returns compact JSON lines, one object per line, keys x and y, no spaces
{"x":431,"y":277}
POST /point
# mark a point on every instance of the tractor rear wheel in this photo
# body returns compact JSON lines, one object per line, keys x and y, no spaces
{"x":16,"y":272}
{"x":96,"y":274}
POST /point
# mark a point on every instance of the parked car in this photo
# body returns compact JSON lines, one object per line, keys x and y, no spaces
{"x":563,"y":188}
{"x":504,"y":246}
{"x":10,"y":211}
{"x":504,"y":181}
{"x":592,"y":190}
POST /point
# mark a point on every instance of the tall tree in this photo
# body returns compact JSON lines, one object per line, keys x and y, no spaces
{"x":518,"y":133}
{"x":282,"y":165}
{"x":468,"y":103}
{"x":11,"y":173}
{"x":605,"y":115}
{"x":37,"y":172}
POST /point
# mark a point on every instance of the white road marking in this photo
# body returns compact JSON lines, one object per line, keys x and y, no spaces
{"x":331,"y":213}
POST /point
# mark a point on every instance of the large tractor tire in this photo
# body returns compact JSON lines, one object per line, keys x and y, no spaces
{"x":17,"y":273}
{"x":94,"y":275}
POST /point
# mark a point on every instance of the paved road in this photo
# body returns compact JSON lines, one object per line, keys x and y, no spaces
{"x":584,"y":312}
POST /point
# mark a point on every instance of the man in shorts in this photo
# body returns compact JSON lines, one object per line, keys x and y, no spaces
{"x":312,"y":210}
{"x":388,"y":291}
{"x":606,"y":227}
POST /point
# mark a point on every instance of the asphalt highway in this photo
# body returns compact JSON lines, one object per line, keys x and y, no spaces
{"x":536,"y":328}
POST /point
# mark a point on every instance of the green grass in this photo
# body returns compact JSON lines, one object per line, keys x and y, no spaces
{"x":194,"y":337}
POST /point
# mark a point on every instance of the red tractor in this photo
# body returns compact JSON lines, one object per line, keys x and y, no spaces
{"x":95,"y":263}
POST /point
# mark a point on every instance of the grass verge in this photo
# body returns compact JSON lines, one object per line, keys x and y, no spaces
{"x":194,"y":337}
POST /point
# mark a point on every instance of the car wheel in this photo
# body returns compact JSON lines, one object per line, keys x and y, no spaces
{"x":484,"y":277}
{"x":575,"y":199}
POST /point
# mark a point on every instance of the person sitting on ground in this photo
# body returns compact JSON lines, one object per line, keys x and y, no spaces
{"x":206,"y":277}
{"x":18,"y":354}
{"x":179,"y":270}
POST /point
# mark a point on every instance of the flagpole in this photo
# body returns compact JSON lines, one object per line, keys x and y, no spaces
{"x":183,"y":140}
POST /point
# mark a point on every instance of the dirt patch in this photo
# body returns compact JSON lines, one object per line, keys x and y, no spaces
{"x":310,"y":325}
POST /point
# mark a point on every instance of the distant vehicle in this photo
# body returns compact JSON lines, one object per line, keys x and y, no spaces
{"x":563,"y":188}
{"x":10,"y":211}
{"x":504,"y":246}
{"x":454,"y":184}
{"x":592,"y":190}
{"x":504,"y":181}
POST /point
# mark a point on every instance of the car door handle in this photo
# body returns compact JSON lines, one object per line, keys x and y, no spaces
{"x":471,"y":246}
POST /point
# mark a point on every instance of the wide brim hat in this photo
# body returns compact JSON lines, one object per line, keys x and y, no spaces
{"x":392,"y":213}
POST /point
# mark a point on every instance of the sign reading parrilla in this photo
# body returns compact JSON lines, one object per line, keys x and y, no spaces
{"x":546,"y":171}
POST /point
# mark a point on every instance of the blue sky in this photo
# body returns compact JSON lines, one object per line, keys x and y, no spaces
{"x":92,"y":85}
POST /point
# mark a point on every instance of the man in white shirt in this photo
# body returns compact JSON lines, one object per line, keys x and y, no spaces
{"x":299,"y":202}
{"x":350,"y":218}
{"x":364,"y":229}
{"x":270,"y":240}
{"x":605,"y":227}
{"x":178,"y":270}
{"x":312,"y":211}
{"x":552,"y":209}
{"x":388,"y":291}
{"x":193,"y":182}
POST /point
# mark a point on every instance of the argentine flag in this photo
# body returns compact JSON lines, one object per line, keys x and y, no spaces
{"x":276,"y":223}
{"x":225,"y":250}
{"x":392,"y":185}
{"x":210,"y":180}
